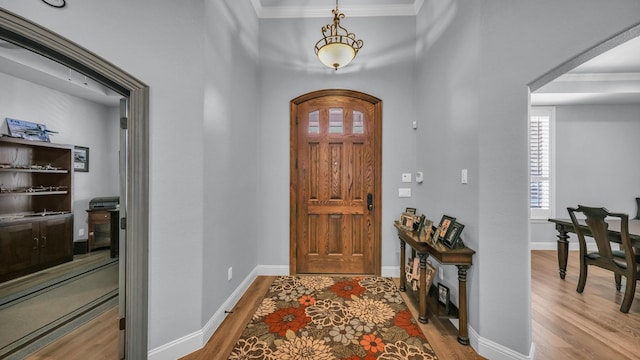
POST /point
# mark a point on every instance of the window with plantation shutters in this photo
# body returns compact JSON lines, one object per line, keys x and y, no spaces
{"x":540,"y":161}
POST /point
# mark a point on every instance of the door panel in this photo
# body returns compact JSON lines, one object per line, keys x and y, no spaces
{"x":335,"y":144}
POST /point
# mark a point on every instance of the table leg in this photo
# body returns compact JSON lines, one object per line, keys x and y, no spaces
{"x":403,"y":275}
{"x":423,"y":315}
{"x":463,"y":333}
{"x":563,"y":250}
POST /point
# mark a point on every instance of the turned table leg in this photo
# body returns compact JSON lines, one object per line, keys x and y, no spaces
{"x":463,"y":333}
{"x":563,"y":250}
{"x":423,"y":315}
{"x":403,"y":275}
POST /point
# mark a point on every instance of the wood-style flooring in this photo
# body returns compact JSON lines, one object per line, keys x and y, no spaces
{"x":566,"y":325}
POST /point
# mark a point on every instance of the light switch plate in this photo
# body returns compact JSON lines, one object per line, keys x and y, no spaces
{"x":404,"y":192}
{"x":406,"y":177}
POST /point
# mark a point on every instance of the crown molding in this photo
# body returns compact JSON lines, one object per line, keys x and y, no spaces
{"x":285,"y":12}
{"x":576,"y":77}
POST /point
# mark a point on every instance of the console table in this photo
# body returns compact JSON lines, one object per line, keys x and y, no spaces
{"x":461,"y":257}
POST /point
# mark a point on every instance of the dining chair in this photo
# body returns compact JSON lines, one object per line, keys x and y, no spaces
{"x":621,"y":263}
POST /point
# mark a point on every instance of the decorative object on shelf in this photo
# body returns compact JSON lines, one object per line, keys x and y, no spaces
{"x":28,"y":130}
{"x":56,"y":3}
{"x":455,"y":230}
{"x":410,"y":210}
{"x":444,"y":227}
{"x":81,"y":158}
{"x":338,"y":46}
{"x":443,"y":295}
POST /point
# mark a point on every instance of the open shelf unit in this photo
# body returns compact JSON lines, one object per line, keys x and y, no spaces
{"x":36,"y":214}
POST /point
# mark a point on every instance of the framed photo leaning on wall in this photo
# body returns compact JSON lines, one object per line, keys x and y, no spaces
{"x":443,"y":295}
{"x":453,"y":235}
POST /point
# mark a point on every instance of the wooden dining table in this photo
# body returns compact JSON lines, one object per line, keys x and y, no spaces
{"x":565,"y":226}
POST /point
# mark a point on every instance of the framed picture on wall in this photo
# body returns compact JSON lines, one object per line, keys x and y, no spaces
{"x":81,"y":158}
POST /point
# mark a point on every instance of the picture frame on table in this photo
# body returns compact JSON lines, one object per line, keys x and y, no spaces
{"x":451,"y":241}
{"x":433,"y":239}
{"x":443,"y":295}
{"x":418,"y":223}
{"x":410,"y":210}
{"x":444,"y":227}
{"x":426,"y":230}
{"x":406,"y":220}
{"x":81,"y":158}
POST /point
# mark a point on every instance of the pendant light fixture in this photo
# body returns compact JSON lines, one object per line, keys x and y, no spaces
{"x":338,"y":46}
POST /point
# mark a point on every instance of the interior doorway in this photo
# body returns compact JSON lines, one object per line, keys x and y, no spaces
{"x":336,"y":183}
{"x":33,"y":37}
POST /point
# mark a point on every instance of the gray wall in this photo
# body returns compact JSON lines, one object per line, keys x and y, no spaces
{"x":231,"y":130}
{"x":474,"y":69}
{"x":78,"y":122}
{"x":292,"y":70}
{"x":596,"y":153}
{"x":469,"y":94}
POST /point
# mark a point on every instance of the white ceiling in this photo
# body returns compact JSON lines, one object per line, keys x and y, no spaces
{"x":612,"y":78}
{"x":322,"y":8}
{"x":26,"y":65}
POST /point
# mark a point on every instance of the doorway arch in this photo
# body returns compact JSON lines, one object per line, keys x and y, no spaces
{"x":38,"y":39}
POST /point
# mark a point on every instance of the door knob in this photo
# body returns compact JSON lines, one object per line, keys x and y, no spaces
{"x":369,"y":201}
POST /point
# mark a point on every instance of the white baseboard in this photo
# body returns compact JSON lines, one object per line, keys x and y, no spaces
{"x":196,"y":340}
{"x":494,"y":351}
{"x":390,"y":271}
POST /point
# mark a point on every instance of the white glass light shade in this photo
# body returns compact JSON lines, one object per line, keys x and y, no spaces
{"x":336,"y":55}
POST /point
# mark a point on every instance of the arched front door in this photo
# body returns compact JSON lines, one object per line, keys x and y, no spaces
{"x":336,"y":158}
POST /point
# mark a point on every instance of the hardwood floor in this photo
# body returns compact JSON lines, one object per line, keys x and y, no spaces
{"x":95,"y":340}
{"x":566,"y":325}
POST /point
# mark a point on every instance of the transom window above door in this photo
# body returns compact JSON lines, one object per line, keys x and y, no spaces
{"x":337,"y":122}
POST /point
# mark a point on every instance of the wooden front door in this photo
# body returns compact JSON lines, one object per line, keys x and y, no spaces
{"x":335,"y":183}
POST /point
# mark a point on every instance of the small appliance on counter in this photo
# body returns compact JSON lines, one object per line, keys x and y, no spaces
{"x":108,"y":202}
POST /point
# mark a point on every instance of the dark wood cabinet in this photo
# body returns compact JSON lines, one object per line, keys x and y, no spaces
{"x":104,"y":230}
{"x":18,"y":249}
{"x":34,"y":244}
{"x":55,"y":246}
{"x":36,"y":197}
{"x":100,"y":232}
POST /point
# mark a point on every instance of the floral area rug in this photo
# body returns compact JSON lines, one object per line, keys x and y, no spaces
{"x":322,"y":318}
